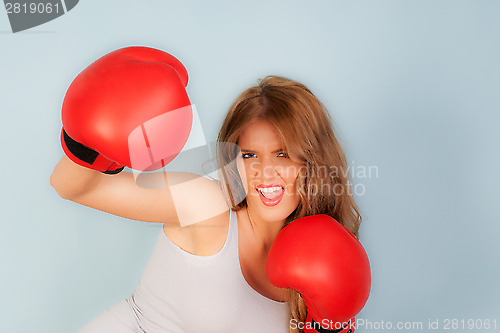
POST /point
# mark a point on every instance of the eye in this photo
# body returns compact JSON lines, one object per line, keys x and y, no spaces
{"x":283,"y":154}
{"x":247,"y":155}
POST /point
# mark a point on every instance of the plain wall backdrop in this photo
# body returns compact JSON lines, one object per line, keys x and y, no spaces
{"x":413,"y":88}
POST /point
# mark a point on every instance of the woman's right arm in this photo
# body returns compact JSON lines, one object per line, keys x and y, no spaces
{"x":116,"y":194}
{"x":177,"y":198}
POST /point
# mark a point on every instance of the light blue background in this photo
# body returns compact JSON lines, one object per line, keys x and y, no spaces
{"x":413,"y":86}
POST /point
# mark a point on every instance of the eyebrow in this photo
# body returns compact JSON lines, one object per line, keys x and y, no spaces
{"x":279,"y":150}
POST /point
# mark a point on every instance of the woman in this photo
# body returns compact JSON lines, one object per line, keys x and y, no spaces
{"x":288,"y":165}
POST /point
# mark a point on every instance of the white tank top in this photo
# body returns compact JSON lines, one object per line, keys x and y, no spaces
{"x":185,"y":293}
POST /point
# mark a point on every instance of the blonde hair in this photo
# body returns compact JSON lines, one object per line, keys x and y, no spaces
{"x":306,"y":129}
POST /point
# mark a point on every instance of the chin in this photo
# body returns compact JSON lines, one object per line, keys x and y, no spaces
{"x":277,"y":213}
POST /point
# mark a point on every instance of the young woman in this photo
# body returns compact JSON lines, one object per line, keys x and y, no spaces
{"x":279,"y":160}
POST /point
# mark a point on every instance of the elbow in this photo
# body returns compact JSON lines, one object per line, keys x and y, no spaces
{"x":58,"y":186}
{"x":54,"y":184}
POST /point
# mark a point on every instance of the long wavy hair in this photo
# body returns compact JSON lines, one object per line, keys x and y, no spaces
{"x":305,"y":127}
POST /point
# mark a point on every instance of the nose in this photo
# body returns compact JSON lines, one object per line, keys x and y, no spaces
{"x":266,"y":169}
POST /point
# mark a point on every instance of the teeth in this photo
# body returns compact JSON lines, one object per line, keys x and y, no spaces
{"x":269,"y":189}
{"x":271,"y":192}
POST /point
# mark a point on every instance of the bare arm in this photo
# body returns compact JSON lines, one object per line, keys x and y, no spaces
{"x":120,"y":194}
{"x":69,"y":179}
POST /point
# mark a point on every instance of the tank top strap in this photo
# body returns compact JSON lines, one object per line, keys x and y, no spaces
{"x":231,"y":244}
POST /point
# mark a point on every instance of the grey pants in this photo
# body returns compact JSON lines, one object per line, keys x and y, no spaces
{"x":117,"y":319}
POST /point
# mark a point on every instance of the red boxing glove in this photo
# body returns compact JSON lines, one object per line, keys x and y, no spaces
{"x":128,"y":108}
{"x":318,"y":257}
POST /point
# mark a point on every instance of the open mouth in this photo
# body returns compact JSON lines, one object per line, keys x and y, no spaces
{"x":270,"y":195}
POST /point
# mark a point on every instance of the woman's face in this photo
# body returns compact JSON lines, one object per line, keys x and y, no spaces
{"x":267,"y":172}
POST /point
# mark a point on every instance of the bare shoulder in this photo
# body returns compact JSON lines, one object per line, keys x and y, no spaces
{"x":203,"y":215}
{"x":197,"y":200}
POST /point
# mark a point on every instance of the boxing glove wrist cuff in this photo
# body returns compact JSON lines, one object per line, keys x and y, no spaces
{"x":88,"y":157}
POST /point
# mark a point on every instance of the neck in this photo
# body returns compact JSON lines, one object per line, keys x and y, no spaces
{"x":265,"y":231}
